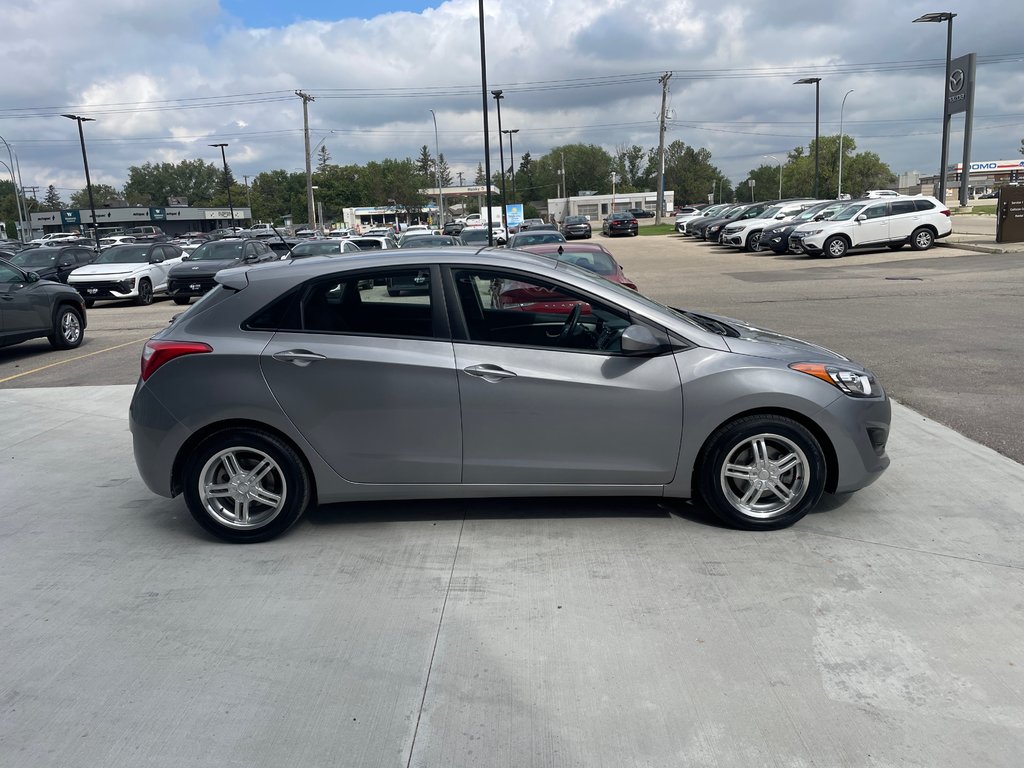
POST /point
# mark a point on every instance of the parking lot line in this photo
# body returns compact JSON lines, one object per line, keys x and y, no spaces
{"x":71,"y":360}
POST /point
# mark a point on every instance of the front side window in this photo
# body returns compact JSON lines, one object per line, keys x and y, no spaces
{"x":876,"y":211}
{"x":508,"y":308}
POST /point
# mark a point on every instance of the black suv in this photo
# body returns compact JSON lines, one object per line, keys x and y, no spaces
{"x":53,"y":262}
{"x":194,"y":275}
{"x":31,"y":308}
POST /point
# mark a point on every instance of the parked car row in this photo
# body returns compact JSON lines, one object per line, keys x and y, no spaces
{"x":829,"y":228}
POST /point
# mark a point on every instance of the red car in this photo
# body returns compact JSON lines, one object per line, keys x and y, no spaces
{"x":591,"y":256}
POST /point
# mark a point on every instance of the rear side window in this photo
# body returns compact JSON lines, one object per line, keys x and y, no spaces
{"x":924,"y":205}
{"x":903,"y":206}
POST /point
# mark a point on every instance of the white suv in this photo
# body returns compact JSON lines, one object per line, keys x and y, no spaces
{"x":893,"y":222}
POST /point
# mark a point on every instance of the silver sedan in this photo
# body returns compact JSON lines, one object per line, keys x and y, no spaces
{"x":503,"y":374}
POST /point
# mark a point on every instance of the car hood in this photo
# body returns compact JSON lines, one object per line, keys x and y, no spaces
{"x":746,"y":339}
{"x":93,"y":270}
{"x":205,"y":267}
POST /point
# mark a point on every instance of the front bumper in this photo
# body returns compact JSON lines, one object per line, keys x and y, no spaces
{"x":107,"y":289}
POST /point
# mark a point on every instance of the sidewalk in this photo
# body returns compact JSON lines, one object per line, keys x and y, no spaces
{"x":977,"y":233}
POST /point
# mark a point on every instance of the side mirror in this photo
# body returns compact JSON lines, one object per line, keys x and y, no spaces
{"x":639,"y":340}
{"x":156,"y":260}
{"x":251,"y":258}
{"x":32,"y":277}
{"x":862,"y":217}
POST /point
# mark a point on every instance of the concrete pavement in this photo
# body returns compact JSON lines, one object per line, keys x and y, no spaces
{"x":977,"y":232}
{"x":885,"y":631}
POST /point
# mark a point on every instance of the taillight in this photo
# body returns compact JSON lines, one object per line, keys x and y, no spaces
{"x":945,"y":212}
{"x":156,"y":353}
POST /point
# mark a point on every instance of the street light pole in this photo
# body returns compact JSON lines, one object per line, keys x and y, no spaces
{"x":227,"y":180}
{"x":437,"y":173}
{"x":88,"y":181}
{"x":817,"y":114}
{"x":773,"y":157}
{"x":512,"y":157}
{"x":946,"y":16}
{"x":487,"y":130}
{"x":501,"y":156}
{"x":18,"y":202}
{"x":839,"y":192}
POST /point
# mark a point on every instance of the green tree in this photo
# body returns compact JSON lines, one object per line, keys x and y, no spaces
{"x":52,"y":201}
{"x":480,"y":179}
{"x":633,"y":167}
{"x":425,"y":167}
{"x":276,"y":194}
{"x":394,"y":182}
{"x":102,"y":194}
{"x":323,"y":158}
{"x":155,"y":183}
{"x":587,"y":166}
{"x":445,"y":171}
{"x":690,"y":173}
{"x":861,"y":172}
{"x":8,"y":208}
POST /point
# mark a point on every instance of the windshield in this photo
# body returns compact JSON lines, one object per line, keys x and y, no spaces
{"x":848,"y":213}
{"x":33,"y":258}
{"x":474,"y":235}
{"x":316,"y":249}
{"x":771,"y":213}
{"x":220,"y":250}
{"x":125,"y":254}
{"x":427,"y":241}
{"x":575,"y":219}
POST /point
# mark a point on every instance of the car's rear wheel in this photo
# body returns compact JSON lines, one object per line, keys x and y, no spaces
{"x":145,"y":296}
{"x":246,"y":485}
{"x":835,"y":247}
{"x":922,"y":239}
{"x":67,"y":329}
{"x":181,"y":300}
{"x":762,"y":472}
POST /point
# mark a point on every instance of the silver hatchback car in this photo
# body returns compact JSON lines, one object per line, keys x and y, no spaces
{"x":505,"y":374}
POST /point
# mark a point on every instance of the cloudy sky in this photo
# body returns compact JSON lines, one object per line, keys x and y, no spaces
{"x":165,"y":80}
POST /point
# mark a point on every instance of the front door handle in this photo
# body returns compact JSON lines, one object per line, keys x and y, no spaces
{"x":301,"y":357}
{"x":491,"y":373}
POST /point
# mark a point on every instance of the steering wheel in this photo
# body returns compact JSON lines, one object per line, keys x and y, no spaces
{"x":570,"y":324}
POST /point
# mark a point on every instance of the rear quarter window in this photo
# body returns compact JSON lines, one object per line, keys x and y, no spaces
{"x":924,"y":205}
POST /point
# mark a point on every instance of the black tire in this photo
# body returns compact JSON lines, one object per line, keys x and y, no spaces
{"x":145,"y":297}
{"x":181,"y":300}
{"x":89,"y":303}
{"x":921,"y":239}
{"x":895,"y":246}
{"x":753,"y":242}
{"x":835,"y":247}
{"x":67,"y":328}
{"x":781,"y":441}
{"x":286,"y":480}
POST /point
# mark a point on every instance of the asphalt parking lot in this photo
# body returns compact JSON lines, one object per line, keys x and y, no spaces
{"x":882,"y":631}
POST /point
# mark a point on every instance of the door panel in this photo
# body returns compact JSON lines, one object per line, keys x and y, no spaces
{"x":875,"y":229}
{"x":378,"y":410}
{"x":567,"y":417}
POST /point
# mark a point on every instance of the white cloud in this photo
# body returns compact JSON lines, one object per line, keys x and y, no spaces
{"x":186,"y":75}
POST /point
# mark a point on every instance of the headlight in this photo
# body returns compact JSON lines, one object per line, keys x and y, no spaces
{"x":853,"y":383}
{"x":809,"y":232}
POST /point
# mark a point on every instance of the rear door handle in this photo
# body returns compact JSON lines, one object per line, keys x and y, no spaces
{"x":491,"y":373}
{"x":301,"y":357}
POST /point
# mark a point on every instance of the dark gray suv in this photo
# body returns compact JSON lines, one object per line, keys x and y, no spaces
{"x":194,"y":275}
{"x":31,"y":308}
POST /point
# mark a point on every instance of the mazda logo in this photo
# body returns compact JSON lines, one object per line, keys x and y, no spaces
{"x":956,"y":81}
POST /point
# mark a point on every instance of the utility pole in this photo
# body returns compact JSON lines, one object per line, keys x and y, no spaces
{"x":565,"y":185}
{"x":661,"y":147}
{"x":248,"y":199}
{"x":310,"y":213}
{"x":459,"y":174}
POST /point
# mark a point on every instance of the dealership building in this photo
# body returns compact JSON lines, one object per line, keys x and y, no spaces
{"x":984,"y":176}
{"x":174,"y":221}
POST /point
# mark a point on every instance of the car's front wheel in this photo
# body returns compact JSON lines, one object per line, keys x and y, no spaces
{"x":762,"y":472}
{"x":145,"y":296}
{"x":246,"y":485}
{"x":67,"y":329}
{"x":922,"y":239}
{"x":753,"y":242}
{"x":835,"y":247}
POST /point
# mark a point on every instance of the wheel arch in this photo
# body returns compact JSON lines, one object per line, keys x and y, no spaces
{"x":67,"y":302}
{"x":201,"y":435}
{"x":827,"y":448}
